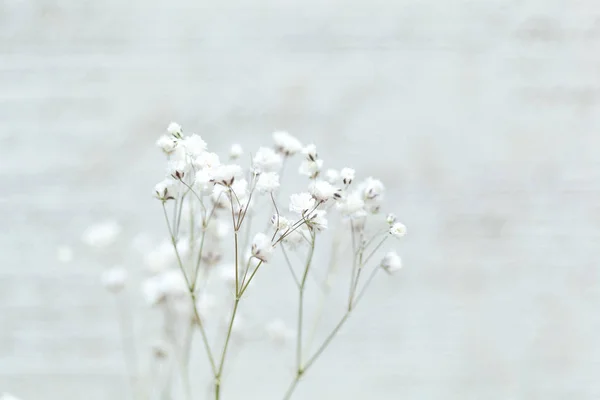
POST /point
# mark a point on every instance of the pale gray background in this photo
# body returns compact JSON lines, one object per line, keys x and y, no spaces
{"x":482,"y":116}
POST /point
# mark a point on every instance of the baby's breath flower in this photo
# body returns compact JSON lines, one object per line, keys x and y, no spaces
{"x":372,"y":189}
{"x":267,"y":182}
{"x":286,"y":144}
{"x":352,"y":206}
{"x":167,"y":143}
{"x":236,"y":151}
{"x":397,"y":230}
{"x":226,"y":174}
{"x":206,"y":160}
{"x":160,"y":349}
{"x":323,"y":191}
{"x":332,"y":175}
{"x":163,"y":190}
{"x":114,"y":279}
{"x":194,"y":145}
{"x":297,"y":237}
{"x":174,"y":129}
{"x":391,"y":262}
{"x":310,"y":151}
{"x":310,"y":168}
{"x":177,"y":169}
{"x":280,"y":222}
{"x":261,"y":247}
{"x":266,"y":160}
{"x":169,"y":283}
{"x":347,"y":175}
{"x":102,"y":234}
{"x":317,"y":220}
{"x":203,"y":182}
{"x":390,"y":218}
{"x":301,"y":202}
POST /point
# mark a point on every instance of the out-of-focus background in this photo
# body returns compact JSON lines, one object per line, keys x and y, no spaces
{"x":481,"y":116}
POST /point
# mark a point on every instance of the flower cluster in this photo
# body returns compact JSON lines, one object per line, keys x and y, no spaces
{"x":212,"y":204}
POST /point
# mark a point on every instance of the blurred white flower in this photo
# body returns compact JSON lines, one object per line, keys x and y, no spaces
{"x":261,"y":247}
{"x":164,"y":190}
{"x":114,"y":279}
{"x":301,"y":202}
{"x":372,"y":189}
{"x":347,"y":175}
{"x":64,"y":254}
{"x":174,"y":129}
{"x":278,"y":331}
{"x":318,"y":221}
{"x":102,"y":234}
{"x":226,"y":174}
{"x":310,"y":151}
{"x":194,"y":145}
{"x":297,"y":237}
{"x":8,"y":396}
{"x":391,"y":218}
{"x":352,"y":206}
{"x":332,"y":176}
{"x":167,"y":283}
{"x":177,"y":169}
{"x":267,"y":182}
{"x":203,"y":182}
{"x":398,"y":230}
{"x":266,"y":160}
{"x":280,"y":222}
{"x":391,"y":262}
{"x":322,"y":190}
{"x":167,"y":144}
{"x":310,"y":168}
{"x":161,"y":258}
{"x":286,"y":143}
{"x":207,"y":160}
{"x":236,"y":151}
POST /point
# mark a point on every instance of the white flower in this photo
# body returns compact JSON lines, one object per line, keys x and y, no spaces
{"x":203,"y":182}
{"x":301,"y":202}
{"x":177,"y":169}
{"x":167,"y":143}
{"x":347,"y":175}
{"x":280,"y":222}
{"x":162,"y":257}
{"x":266,"y":160}
{"x":226,"y":174}
{"x":352,"y":206}
{"x":220,"y":196}
{"x":163,"y":190}
{"x":267,"y":182}
{"x":278,"y":331}
{"x":332,"y":175}
{"x":310,"y":151}
{"x":174,"y":129}
{"x":114,"y":279}
{"x":397,"y":230}
{"x":236,"y":151}
{"x":261,"y":247}
{"x":391,"y":218}
{"x":286,"y":143}
{"x":64,"y":254}
{"x":194,"y":145}
{"x":323,"y":191}
{"x":102,"y":234}
{"x":310,"y":168}
{"x":169,"y":283}
{"x":298,"y":236}
{"x":391,"y":262}
{"x":372,"y":189}
{"x":318,"y":221}
{"x":207,"y":160}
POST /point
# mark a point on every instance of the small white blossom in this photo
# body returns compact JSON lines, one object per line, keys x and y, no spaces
{"x":162,"y":257}
{"x":236,"y":151}
{"x":301,"y":202}
{"x":280,"y":222}
{"x":278,"y":331}
{"x":194,"y":145}
{"x":318,"y":221}
{"x":169,"y":283}
{"x":310,"y":168}
{"x":204,"y":182}
{"x":332,"y":175}
{"x":114,"y":279}
{"x":261,"y":247}
{"x":174,"y":129}
{"x":64,"y":254}
{"x":347,"y":175}
{"x":310,"y":151}
{"x":267,"y":182}
{"x":163,"y":190}
{"x":207,"y":160}
{"x":102,"y":235}
{"x":177,"y":169}
{"x":226,"y":174}
{"x":297,"y":237}
{"x":352,"y":206}
{"x":391,"y":218}
{"x":391,"y":262}
{"x":167,"y":144}
{"x":323,"y":191}
{"x":266,"y":160}
{"x":397,"y":230}
{"x":286,"y":144}
{"x":372,"y":189}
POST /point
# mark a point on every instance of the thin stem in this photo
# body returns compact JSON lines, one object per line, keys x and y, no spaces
{"x":174,"y":243}
{"x":375,"y":249}
{"x":292,"y":387}
{"x":301,"y":304}
{"x":366,"y":285}
{"x":328,"y":340}
{"x":289,"y":264}
{"x":250,"y":279}
{"x":225,"y":347}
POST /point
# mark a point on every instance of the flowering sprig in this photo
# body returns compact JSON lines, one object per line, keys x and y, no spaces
{"x":205,"y":200}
